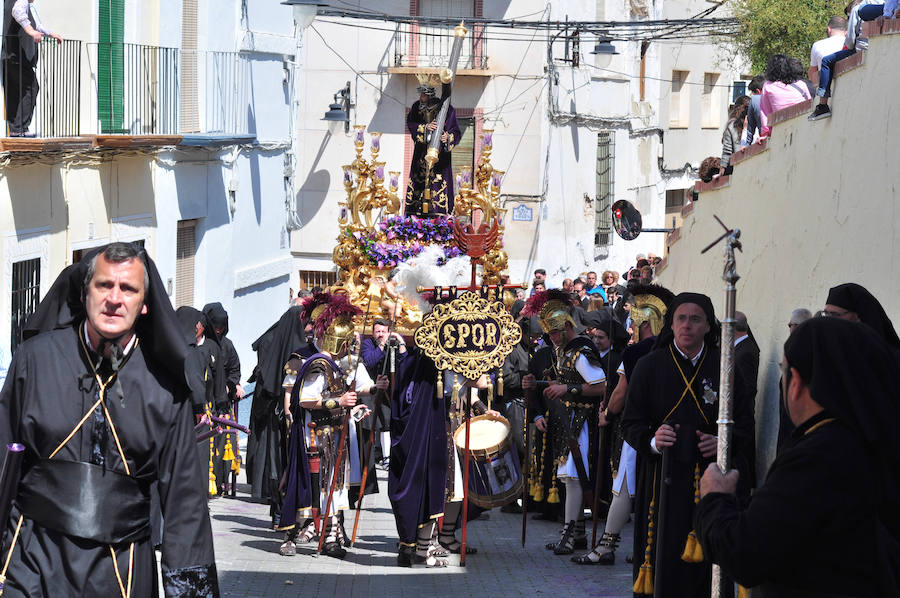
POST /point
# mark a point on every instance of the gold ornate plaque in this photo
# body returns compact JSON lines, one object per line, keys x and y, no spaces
{"x":469,"y":335}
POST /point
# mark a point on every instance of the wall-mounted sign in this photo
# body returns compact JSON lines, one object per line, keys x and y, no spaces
{"x":522,"y":213}
{"x":470,"y":335}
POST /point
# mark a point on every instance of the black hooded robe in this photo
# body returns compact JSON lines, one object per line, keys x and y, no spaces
{"x":653,"y":392}
{"x":266,"y":449}
{"x":154,"y":425}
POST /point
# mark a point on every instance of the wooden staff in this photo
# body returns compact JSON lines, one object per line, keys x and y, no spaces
{"x":598,"y":485}
{"x":389,"y":358}
{"x":664,"y":482}
{"x":345,"y":423}
{"x":526,"y":468}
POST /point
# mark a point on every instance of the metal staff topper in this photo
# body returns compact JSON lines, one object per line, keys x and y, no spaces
{"x":726,"y":376}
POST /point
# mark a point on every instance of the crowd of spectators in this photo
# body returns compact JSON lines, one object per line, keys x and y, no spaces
{"x":786,"y":83}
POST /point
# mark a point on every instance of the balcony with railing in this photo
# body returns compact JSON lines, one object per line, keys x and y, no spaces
{"x":423,"y":47}
{"x":122,"y":95}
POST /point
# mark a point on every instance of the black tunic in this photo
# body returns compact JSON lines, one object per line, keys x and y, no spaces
{"x":48,"y":390}
{"x":807,"y":531}
{"x":653,"y":392}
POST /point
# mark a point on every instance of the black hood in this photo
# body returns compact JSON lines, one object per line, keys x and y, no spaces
{"x":162,"y":341}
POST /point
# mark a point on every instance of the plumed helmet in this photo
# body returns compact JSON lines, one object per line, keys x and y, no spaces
{"x":650,"y":304}
{"x":552,"y":309}
{"x":334,"y":325}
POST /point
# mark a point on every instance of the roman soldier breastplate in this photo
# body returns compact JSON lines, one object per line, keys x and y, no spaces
{"x":335,"y":386}
{"x":565,"y":368}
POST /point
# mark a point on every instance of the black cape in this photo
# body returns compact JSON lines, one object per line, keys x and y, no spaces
{"x":653,"y":391}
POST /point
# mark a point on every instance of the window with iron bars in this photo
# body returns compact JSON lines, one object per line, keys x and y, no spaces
{"x":26,"y":294}
{"x":317,"y":278}
{"x":603,"y":200}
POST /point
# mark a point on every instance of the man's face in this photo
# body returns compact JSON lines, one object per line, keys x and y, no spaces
{"x":540,"y":276}
{"x":690,"y":326}
{"x":568,"y":285}
{"x":559,"y":338}
{"x":612,"y":296}
{"x":114,"y":298}
{"x":600,"y":338}
{"x":592,"y":279}
{"x":423,"y":98}
{"x":833,"y":311}
{"x":380,"y":333}
{"x":538,"y":287}
{"x":579,"y":290}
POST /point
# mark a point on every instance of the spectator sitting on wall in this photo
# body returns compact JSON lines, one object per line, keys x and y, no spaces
{"x":540,"y":275}
{"x":755,"y":87}
{"x":866,"y":10}
{"x":734,"y":130}
{"x":834,"y":42}
{"x":538,"y":286}
{"x":709,"y":168}
{"x":592,"y":287}
{"x":783,"y":88}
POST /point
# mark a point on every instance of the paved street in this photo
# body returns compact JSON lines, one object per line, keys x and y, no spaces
{"x":249,"y":564}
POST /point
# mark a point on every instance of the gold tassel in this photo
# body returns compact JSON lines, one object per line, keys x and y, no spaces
{"x":229,"y":451}
{"x":538,"y":492}
{"x":456,"y":387}
{"x":500,"y":384}
{"x":693,"y":552}
{"x":440,"y":383}
{"x":743,"y":592}
{"x":212,"y":476}
{"x":553,"y":498}
{"x":236,"y":466}
{"x":644,"y":582}
{"x":490,"y":394}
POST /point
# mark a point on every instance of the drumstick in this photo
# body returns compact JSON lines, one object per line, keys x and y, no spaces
{"x":465,"y":509}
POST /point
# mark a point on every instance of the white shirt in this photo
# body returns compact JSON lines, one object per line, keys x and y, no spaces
{"x":737,"y":341}
{"x":312,"y":389}
{"x":20,"y":14}
{"x":823,"y":48}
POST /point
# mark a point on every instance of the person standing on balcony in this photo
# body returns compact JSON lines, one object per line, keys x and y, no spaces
{"x":422,"y":124}
{"x":22,"y":32}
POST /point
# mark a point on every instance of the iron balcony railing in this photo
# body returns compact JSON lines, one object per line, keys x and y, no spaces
{"x":428,"y":46}
{"x":131,"y":89}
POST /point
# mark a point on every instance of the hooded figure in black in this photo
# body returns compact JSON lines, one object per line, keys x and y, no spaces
{"x":266,"y":450}
{"x":217,"y":318}
{"x":825,"y":521}
{"x":863,"y":307}
{"x":671,"y":410}
{"x":97,"y":395}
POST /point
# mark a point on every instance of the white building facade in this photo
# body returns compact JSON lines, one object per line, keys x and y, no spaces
{"x":571,"y":134}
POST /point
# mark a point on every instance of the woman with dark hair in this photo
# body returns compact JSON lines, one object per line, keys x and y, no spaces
{"x":783,"y":88}
{"x":734,"y":130}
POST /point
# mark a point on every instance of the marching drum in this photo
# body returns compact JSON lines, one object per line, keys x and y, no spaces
{"x":495,"y":478}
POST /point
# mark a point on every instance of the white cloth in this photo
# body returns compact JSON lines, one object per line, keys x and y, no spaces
{"x":627,"y":472}
{"x":823,"y":48}
{"x":592,"y":374}
{"x":568,"y":469}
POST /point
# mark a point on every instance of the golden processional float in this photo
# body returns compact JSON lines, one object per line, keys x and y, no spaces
{"x":389,"y":262}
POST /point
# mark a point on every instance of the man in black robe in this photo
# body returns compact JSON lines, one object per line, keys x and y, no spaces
{"x":97,"y":396}
{"x":670,"y":414}
{"x":825,"y":521}
{"x":266,"y":450}
{"x":854,"y":302}
{"x":431,"y":191}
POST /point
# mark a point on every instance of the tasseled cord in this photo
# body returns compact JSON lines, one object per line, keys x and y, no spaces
{"x":644,"y":582}
{"x":440,"y":383}
{"x":693,"y":552}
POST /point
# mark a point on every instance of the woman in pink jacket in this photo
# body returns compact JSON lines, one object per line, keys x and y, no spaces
{"x":784,"y":87}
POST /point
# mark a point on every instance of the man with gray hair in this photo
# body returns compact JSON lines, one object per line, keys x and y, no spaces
{"x":798,"y":316}
{"x":97,"y":396}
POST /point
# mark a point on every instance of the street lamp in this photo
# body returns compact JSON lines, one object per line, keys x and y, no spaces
{"x":604,"y":50}
{"x":339,"y":110}
{"x":304,"y":11}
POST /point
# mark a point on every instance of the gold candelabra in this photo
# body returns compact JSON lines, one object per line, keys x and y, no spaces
{"x":479,"y":201}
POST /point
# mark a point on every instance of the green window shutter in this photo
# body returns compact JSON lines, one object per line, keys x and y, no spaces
{"x":111,"y":66}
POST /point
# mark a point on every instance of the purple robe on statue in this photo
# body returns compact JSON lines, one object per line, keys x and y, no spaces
{"x":416,"y":480}
{"x":440,"y":179}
